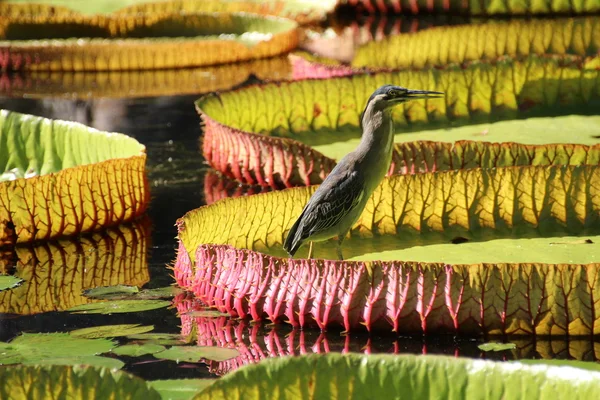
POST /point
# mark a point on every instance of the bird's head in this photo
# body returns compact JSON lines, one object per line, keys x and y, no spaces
{"x":388,"y":96}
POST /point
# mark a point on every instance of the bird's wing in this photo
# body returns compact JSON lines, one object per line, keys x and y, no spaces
{"x":336,"y":198}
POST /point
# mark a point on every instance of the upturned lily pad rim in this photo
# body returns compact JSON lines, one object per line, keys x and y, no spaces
{"x":284,"y":25}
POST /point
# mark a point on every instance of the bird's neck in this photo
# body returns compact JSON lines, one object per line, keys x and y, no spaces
{"x":375,"y":148}
{"x":378,"y":133}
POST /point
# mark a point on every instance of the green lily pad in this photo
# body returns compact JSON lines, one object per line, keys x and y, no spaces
{"x":494,"y":346}
{"x":197,"y":353}
{"x":105,"y":292}
{"x":124,"y":292}
{"x":180,"y":389}
{"x":137,"y":350}
{"x":9,"y":282}
{"x":95,"y":361}
{"x":32,"y":348}
{"x":357,"y":376}
{"x":155,"y":336}
{"x":66,"y":382}
{"x":111,"y":331}
{"x":119,"y":306}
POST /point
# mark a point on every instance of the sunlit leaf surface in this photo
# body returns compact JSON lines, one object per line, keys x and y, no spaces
{"x":119,"y":306}
{"x":56,"y":348}
{"x":140,"y":41}
{"x":55,"y":275}
{"x":62,"y":178}
{"x":35,"y":382}
{"x":108,"y":331}
{"x":489,"y":40}
{"x":354,"y":376}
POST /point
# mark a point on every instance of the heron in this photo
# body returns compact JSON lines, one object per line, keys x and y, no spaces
{"x":338,"y":202}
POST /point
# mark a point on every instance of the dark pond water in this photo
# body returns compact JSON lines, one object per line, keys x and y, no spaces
{"x":169,"y":127}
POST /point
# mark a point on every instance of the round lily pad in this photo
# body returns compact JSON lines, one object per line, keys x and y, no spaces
{"x":137,"y":350}
{"x":197,"y":353}
{"x":119,"y":306}
{"x":111,"y":331}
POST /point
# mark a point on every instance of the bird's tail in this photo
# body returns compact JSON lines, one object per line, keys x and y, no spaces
{"x":293,"y":241}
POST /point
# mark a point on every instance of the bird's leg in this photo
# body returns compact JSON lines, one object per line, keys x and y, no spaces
{"x":339,"y":246}
{"x":310,"y":250}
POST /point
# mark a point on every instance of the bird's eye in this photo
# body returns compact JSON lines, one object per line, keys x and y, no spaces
{"x":394,"y":92}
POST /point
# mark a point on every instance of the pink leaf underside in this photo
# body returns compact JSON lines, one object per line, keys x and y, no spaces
{"x":404,"y":297}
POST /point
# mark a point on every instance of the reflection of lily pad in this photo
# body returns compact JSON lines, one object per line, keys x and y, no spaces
{"x":358,"y":376}
{"x":32,"y":348}
{"x":196,"y":353}
{"x":137,"y":350}
{"x":9,"y":282}
{"x":120,"y":257}
{"x":494,"y":346}
{"x":62,"y":173}
{"x":60,"y":382}
{"x":119,"y":306}
{"x":141,"y":41}
{"x":180,"y":389}
{"x":108,"y":331}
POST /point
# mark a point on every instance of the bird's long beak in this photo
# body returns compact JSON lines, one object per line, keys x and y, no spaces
{"x":422,"y":94}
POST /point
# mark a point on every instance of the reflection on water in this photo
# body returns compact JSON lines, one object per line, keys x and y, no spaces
{"x":55,"y":273}
{"x":257,"y":341}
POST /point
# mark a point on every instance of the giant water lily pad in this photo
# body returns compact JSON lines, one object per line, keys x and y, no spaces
{"x":268,"y":134}
{"x":354,"y":376}
{"x":55,"y":273}
{"x":147,"y":83}
{"x":42,"y":382}
{"x":545,"y":288}
{"x":500,"y":7}
{"x":134,"y":42}
{"x":196,"y":353}
{"x":119,"y":306}
{"x":490,"y":40}
{"x":62,"y":178}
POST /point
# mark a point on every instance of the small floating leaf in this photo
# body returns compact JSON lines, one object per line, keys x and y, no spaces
{"x":95,"y":361}
{"x":197,"y":353}
{"x":111,"y":331}
{"x":9,"y":282}
{"x":124,"y":292}
{"x":206,"y":313}
{"x":136,"y":350}
{"x":104,"y":292}
{"x":120,"y":306}
{"x":180,"y":389}
{"x":155,"y":336}
{"x":40,"y":347}
{"x":494,"y":346}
